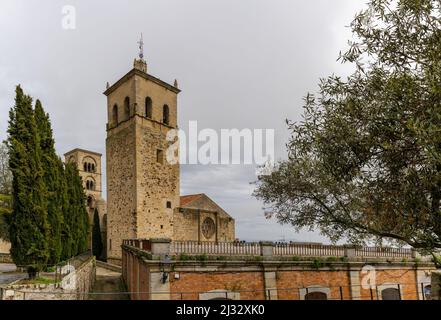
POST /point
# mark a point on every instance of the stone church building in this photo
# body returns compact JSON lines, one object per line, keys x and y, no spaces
{"x":89,"y":168}
{"x":143,"y":188}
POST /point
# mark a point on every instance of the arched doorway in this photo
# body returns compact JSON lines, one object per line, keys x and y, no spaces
{"x":315,"y":292}
{"x":390,"y":294}
{"x":316,"y":296}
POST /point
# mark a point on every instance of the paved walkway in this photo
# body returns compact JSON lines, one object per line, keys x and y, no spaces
{"x":8,"y":273}
{"x":7,"y":267}
{"x":108,"y":285}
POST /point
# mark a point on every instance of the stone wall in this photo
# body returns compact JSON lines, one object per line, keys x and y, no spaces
{"x":74,"y":286}
{"x":5,"y":246}
{"x":101,"y":205}
{"x":5,"y":258}
{"x":121,"y":189}
{"x":157,"y":183}
{"x":258,"y":278}
{"x":187,"y":226}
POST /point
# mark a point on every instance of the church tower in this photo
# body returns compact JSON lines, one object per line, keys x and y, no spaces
{"x":89,"y":167}
{"x":142,"y":186}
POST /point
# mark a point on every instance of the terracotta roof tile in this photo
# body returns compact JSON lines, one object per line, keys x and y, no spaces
{"x":189,"y":198}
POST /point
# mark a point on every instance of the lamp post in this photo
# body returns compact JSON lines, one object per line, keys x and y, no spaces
{"x":164,"y":266}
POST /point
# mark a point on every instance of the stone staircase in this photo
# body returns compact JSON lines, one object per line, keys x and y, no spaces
{"x":108,"y":283}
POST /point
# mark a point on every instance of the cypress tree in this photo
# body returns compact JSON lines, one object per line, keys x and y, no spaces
{"x":5,"y":212}
{"x":83,"y":216}
{"x":67,"y":225}
{"x":78,"y":217}
{"x":5,"y":192}
{"x":71,"y":210}
{"x":28,"y":228}
{"x":52,"y":179}
{"x":97,"y":242}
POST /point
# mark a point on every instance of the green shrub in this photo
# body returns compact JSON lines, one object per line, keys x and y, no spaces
{"x":417,"y":261}
{"x":437,"y":260}
{"x":50,"y":269}
{"x":202,"y":257}
{"x":184,"y":257}
{"x":317,"y":263}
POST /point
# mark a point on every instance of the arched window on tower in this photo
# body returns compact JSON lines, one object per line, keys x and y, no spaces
{"x":126,"y":108}
{"x":166,"y":115}
{"x":115,"y":115}
{"x":90,"y":185}
{"x":148,"y":107}
{"x":89,"y":164}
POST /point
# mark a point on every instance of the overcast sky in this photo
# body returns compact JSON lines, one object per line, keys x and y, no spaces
{"x":239,"y":63}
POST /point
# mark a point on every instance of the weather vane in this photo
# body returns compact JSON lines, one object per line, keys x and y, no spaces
{"x":141,"y":48}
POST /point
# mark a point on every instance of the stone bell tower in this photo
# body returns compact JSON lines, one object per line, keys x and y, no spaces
{"x":89,"y":167}
{"x":142,"y":186}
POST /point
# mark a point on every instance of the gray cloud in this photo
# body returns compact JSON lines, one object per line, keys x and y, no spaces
{"x":240,"y":64}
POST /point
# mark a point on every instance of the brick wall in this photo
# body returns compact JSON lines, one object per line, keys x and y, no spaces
{"x":404,"y":279}
{"x":337,"y":281}
{"x":250,"y":284}
{"x":261,"y":278}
